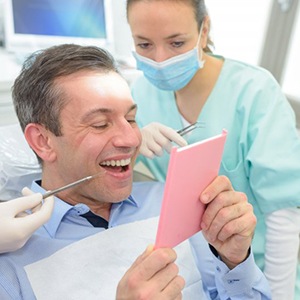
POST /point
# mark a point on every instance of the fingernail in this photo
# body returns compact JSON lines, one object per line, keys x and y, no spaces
{"x":149,"y":249}
{"x":25,"y":189}
{"x":204,"y":198}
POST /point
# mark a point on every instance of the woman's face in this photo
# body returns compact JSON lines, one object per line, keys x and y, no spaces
{"x":162,"y":29}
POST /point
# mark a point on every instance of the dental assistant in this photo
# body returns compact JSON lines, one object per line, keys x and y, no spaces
{"x":185,"y":82}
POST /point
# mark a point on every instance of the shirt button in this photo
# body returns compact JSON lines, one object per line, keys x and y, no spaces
{"x":218,"y":269}
{"x":232,"y":281}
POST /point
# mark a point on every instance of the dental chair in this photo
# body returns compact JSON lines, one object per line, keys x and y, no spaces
{"x":18,"y":164}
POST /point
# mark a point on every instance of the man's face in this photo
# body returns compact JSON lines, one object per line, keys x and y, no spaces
{"x":99,"y":135}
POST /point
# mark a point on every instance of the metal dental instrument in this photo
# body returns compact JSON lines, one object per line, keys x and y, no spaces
{"x":191,"y":127}
{"x":70,"y":185}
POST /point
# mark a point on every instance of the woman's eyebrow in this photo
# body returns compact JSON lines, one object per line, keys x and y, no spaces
{"x":172,"y":36}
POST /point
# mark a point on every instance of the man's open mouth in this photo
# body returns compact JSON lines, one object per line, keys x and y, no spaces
{"x":116,"y":165}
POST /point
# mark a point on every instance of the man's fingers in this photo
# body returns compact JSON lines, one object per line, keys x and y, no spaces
{"x":145,"y":254}
{"x":167,"y":280}
{"x":230,"y":221}
{"x":150,"y":274}
{"x":241,"y":226}
{"x":156,"y":261}
{"x":222,"y":200}
{"x":218,"y":185}
{"x":174,"y":288}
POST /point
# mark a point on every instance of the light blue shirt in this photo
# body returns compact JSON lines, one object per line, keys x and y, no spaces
{"x":67,"y":226}
{"x":262,"y":151}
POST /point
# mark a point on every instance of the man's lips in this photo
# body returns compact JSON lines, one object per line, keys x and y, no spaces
{"x":121,"y":165}
{"x":118,"y":163}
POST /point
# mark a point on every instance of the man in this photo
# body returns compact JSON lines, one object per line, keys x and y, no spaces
{"x":79,"y":117}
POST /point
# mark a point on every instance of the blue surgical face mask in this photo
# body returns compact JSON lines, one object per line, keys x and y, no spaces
{"x":174,"y":73}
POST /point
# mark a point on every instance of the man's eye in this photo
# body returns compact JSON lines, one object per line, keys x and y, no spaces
{"x":131,"y":121}
{"x":99,"y":126}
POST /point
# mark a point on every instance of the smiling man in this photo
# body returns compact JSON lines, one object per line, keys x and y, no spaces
{"x":78,"y":116}
{"x":98,"y":134}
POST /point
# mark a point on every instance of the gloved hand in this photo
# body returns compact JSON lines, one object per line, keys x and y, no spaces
{"x":156,"y":137}
{"x":16,"y":225}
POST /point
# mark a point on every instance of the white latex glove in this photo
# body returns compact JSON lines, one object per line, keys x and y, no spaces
{"x":157,"y":137}
{"x":16,"y":225}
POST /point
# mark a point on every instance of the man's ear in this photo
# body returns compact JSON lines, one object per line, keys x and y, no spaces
{"x":40,"y":141}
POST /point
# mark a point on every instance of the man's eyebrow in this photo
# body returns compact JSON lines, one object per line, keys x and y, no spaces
{"x":132,"y":107}
{"x":103,"y":110}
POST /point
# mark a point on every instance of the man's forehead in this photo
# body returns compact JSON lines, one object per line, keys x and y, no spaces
{"x":79,"y":75}
{"x":96,"y":91}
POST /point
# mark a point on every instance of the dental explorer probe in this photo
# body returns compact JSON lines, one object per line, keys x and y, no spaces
{"x":70,"y":185}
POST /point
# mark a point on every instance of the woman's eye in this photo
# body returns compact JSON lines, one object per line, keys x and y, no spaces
{"x":177,"y":44}
{"x":143,"y":45}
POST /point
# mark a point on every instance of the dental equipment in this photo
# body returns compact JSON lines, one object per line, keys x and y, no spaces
{"x":70,"y":185}
{"x":191,"y":127}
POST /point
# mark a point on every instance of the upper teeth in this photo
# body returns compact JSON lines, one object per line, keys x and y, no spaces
{"x":118,"y":163}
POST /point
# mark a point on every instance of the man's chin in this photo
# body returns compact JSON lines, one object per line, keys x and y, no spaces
{"x":118,"y":195}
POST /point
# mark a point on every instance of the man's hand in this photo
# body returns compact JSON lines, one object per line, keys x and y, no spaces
{"x":228,"y":222}
{"x":16,"y":225}
{"x":153,"y":275}
{"x":157,"y":137}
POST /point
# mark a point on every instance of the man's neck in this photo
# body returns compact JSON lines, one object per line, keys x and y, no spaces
{"x":74,"y":196}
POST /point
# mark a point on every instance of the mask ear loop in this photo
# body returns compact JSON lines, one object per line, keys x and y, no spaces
{"x":198,"y":41}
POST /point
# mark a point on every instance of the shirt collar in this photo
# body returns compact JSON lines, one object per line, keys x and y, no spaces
{"x":61,"y":208}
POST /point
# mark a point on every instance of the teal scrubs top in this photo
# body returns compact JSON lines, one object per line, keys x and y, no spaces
{"x":262,"y":150}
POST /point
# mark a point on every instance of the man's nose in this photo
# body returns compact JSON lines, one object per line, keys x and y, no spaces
{"x":128,"y":136}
